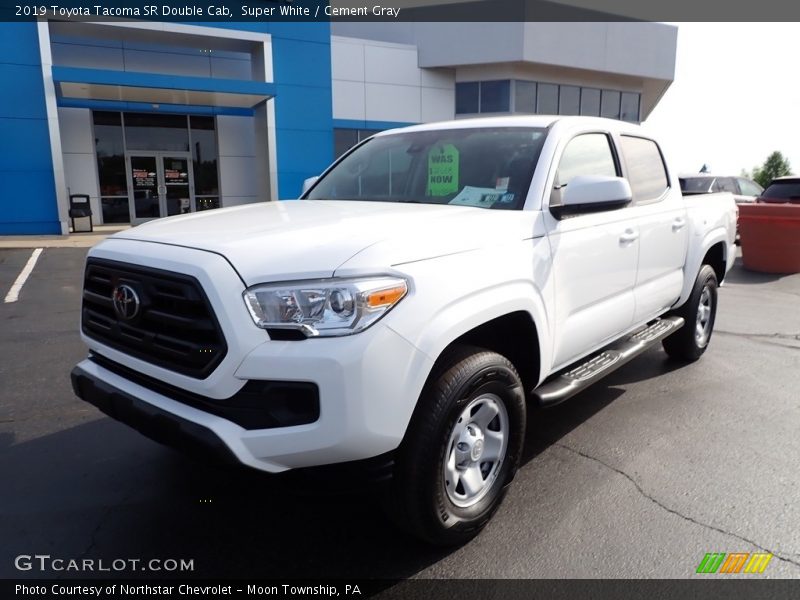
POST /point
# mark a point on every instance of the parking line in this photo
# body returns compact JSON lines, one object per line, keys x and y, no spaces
{"x":13,"y":293}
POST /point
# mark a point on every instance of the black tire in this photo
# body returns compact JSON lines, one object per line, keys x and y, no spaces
{"x":687,"y":344}
{"x":465,"y":379}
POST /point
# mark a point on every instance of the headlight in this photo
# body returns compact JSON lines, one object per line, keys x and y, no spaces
{"x":329,"y":307}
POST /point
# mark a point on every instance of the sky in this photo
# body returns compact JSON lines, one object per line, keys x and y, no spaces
{"x":735,"y":97}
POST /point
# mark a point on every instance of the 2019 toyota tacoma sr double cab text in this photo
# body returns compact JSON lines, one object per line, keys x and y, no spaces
{"x":430,"y":287}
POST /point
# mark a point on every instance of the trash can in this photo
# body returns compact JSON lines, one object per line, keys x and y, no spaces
{"x":770,"y":237}
{"x":80,"y":208}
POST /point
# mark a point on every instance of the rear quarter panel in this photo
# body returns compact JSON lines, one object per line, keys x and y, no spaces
{"x":712,"y":220}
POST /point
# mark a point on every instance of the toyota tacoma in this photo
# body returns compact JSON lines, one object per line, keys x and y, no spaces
{"x":426,"y":290}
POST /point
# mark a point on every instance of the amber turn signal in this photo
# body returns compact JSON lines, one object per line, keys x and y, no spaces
{"x":386,"y":297}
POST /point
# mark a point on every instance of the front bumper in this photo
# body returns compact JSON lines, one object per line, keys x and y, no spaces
{"x":368,"y":386}
{"x":156,"y":423}
{"x":368,"y":383}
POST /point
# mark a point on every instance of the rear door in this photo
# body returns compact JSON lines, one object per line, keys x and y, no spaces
{"x":660,"y":215}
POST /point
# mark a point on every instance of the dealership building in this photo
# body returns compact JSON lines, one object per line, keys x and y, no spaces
{"x":155,"y":119}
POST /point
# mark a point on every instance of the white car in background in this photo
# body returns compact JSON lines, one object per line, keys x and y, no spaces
{"x":744,"y":190}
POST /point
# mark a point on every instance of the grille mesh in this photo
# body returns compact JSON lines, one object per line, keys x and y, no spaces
{"x":175,"y":327}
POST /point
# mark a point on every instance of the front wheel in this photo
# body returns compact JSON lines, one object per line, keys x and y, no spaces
{"x":690,"y":341}
{"x":462,"y":447}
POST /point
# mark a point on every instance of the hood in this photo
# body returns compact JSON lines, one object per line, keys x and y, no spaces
{"x":305,"y":239}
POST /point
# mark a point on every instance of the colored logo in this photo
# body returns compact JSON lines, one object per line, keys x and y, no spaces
{"x":735,"y":562}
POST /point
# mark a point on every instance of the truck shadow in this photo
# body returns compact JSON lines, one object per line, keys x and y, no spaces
{"x":738,"y":274}
{"x":100,"y":490}
{"x":547,"y":426}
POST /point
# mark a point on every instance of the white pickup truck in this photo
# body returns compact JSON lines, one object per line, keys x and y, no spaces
{"x":426,"y":289}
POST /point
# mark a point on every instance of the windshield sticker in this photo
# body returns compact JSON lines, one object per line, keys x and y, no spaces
{"x":442,"y":170}
{"x":501,"y":183}
{"x":477,"y":196}
{"x":507,"y":198}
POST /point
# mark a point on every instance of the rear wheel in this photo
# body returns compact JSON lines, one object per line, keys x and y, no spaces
{"x":690,"y":341}
{"x":462,"y":447}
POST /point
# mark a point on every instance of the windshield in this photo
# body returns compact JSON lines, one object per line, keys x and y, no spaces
{"x":484,"y":167}
{"x":696,"y":185}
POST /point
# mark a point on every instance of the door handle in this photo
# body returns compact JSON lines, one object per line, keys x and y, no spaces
{"x":678,"y":224}
{"x":628,"y":236}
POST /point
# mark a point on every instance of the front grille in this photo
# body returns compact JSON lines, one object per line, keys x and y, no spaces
{"x":174,"y":328}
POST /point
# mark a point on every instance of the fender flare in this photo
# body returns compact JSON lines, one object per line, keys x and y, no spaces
{"x":694,"y":260}
{"x":465,"y":314}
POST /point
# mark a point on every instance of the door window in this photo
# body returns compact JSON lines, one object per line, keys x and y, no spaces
{"x":645,"y":168}
{"x":749,"y":188}
{"x":176,"y":185}
{"x":587,"y":154}
{"x":144,"y":177}
{"x":161,"y":185}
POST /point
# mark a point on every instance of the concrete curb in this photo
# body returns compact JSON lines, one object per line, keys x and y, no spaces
{"x":74,"y":240}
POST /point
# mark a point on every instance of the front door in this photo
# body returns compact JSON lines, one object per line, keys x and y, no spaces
{"x":594,"y":258}
{"x":160,"y":185}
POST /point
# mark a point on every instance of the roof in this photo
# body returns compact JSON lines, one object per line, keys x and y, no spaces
{"x":520,"y":121}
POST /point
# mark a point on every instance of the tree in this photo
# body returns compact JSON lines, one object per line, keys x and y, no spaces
{"x":776,"y":165}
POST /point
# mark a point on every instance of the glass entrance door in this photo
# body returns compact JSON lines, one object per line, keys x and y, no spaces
{"x":160,"y":185}
{"x":177,"y":186}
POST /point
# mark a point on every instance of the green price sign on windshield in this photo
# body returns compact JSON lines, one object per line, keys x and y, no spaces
{"x":442,"y":170}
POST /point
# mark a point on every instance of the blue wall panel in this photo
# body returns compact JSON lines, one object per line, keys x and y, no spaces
{"x":17,"y":47}
{"x":303,"y":104}
{"x":303,"y":148}
{"x":363,"y":124}
{"x":21,"y":144}
{"x":27,"y":188}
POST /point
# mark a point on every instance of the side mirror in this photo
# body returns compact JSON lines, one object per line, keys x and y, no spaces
{"x":593,"y":193}
{"x":308,"y":183}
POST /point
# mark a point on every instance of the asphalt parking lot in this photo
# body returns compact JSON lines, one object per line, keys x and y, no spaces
{"x":639,"y":476}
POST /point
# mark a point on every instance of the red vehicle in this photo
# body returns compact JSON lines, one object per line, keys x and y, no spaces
{"x":783,"y":190}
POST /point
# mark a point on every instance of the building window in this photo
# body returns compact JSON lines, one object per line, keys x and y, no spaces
{"x":590,"y":102}
{"x":495,"y":96}
{"x":569,"y":100}
{"x":467,"y":98}
{"x":344,"y":139}
{"x":609,"y":104}
{"x":629,"y":108}
{"x":203,"y":135}
{"x":153,"y":131}
{"x":109,"y":146}
{"x":547,"y":99}
{"x":524,"y":96}
{"x":483,"y":97}
{"x":536,"y":97}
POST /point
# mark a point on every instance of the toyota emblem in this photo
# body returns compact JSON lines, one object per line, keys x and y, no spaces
{"x":126,"y":302}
